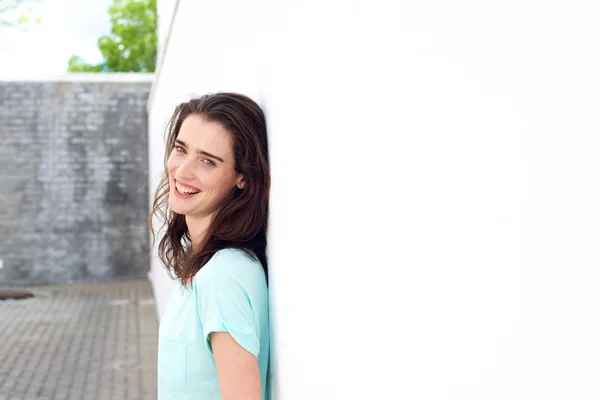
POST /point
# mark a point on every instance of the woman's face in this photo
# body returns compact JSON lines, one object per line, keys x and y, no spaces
{"x":201,"y":168}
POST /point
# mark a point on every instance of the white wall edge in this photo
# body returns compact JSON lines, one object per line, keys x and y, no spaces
{"x":161,"y":57}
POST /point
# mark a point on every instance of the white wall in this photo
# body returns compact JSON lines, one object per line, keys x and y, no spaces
{"x":434,"y":218}
{"x":165,"y":9}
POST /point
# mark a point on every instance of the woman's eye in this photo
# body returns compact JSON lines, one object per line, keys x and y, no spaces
{"x":179,"y":149}
{"x":209,"y":162}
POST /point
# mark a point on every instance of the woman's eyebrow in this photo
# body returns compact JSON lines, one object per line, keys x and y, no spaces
{"x":209,"y":155}
{"x":182,"y":143}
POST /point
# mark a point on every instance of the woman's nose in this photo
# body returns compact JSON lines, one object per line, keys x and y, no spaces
{"x":186,"y":170}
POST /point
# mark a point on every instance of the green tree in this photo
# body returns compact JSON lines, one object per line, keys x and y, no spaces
{"x":131,"y":44}
{"x":18,"y":13}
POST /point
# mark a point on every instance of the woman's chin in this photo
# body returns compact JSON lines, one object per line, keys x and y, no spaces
{"x":176,"y":207}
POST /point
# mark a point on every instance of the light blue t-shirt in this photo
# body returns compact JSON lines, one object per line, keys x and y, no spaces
{"x":228,"y":294}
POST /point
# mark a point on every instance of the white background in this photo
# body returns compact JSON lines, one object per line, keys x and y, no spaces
{"x":434,"y":217}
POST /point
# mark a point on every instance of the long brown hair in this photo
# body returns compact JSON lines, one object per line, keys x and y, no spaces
{"x":241,"y":222}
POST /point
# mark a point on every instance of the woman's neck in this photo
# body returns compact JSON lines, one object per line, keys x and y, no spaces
{"x":197,"y":228}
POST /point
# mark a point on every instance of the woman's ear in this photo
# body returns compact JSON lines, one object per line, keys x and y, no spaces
{"x":241,"y":183}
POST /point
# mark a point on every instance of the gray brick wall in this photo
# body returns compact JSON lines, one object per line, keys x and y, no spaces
{"x":73,"y":181}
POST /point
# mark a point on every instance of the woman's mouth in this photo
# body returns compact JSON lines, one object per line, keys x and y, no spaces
{"x":185,"y":191}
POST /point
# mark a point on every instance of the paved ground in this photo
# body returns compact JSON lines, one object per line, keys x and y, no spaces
{"x":80,"y":341}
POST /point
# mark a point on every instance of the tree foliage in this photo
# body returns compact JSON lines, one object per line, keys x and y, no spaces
{"x":131,"y":44}
{"x":18,"y":13}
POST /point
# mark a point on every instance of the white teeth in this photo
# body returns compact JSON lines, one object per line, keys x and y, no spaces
{"x":181,"y":189}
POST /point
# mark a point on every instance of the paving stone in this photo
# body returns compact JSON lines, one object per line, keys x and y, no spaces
{"x":77,"y":344}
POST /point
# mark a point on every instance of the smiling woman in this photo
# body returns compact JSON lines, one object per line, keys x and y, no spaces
{"x":213,"y":199}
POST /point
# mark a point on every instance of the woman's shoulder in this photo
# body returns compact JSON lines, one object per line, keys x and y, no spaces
{"x":233,"y":258}
{"x":232,"y":263}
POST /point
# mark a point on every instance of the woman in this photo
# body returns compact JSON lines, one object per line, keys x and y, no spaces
{"x":213,"y":199}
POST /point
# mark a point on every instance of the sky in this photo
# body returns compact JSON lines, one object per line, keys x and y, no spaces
{"x":69,"y":27}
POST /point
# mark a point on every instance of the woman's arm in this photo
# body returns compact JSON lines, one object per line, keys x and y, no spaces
{"x":238,"y":371}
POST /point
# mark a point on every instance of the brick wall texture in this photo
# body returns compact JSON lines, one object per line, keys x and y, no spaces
{"x":73,"y":181}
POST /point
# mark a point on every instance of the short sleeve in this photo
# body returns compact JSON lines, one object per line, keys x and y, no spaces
{"x":225,"y":305}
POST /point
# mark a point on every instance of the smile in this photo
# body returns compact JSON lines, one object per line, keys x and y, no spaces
{"x":185,"y":189}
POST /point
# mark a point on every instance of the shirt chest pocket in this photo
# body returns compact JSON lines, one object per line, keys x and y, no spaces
{"x":172,"y":360}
